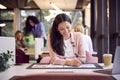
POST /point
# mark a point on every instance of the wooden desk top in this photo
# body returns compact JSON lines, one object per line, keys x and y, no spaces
{"x":31,"y":52}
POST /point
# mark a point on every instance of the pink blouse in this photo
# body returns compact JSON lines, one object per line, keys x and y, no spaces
{"x":78,"y":49}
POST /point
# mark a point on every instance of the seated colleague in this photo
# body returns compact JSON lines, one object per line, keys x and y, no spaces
{"x":87,"y":39}
{"x":65,"y":47}
{"x":20,"y":43}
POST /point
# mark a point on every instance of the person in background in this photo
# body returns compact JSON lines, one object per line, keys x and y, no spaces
{"x":87,"y":39}
{"x":20,"y":43}
{"x":65,"y":47}
{"x":36,"y":27}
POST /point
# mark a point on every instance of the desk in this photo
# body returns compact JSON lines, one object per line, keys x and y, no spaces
{"x":20,"y":70}
{"x":31,"y":52}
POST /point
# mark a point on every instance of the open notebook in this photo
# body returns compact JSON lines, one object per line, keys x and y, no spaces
{"x":116,"y":64}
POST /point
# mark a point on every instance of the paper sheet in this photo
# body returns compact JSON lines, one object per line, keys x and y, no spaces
{"x":61,"y":66}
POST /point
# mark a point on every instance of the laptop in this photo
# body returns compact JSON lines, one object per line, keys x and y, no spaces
{"x":116,"y":64}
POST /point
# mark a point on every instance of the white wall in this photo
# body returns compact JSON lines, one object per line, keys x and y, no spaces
{"x":8,"y":43}
{"x":39,"y":45}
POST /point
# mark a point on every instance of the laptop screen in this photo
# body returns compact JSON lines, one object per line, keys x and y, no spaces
{"x":116,"y":63}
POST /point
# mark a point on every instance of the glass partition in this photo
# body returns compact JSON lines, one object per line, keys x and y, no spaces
{"x":47,"y":16}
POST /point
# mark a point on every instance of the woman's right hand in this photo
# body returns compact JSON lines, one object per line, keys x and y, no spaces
{"x":57,"y":61}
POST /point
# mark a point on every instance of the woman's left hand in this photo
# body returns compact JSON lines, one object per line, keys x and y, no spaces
{"x":75,"y":62}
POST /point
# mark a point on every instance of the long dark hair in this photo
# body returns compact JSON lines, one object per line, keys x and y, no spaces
{"x":28,"y":27}
{"x":55,"y":37}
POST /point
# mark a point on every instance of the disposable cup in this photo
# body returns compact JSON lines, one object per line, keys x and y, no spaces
{"x":107,"y":59}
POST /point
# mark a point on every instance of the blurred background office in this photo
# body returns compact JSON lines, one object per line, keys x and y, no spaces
{"x":99,"y":17}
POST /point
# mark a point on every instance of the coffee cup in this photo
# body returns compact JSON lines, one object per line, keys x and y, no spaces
{"x":107,"y":59}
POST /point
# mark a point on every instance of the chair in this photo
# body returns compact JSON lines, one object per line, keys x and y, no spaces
{"x":63,"y":76}
{"x":90,"y":58}
{"x":21,"y":57}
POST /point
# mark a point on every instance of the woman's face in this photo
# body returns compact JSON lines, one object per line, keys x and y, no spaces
{"x":31,"y":23}
{"x":19,"y":36}
{"x":65,"y":28}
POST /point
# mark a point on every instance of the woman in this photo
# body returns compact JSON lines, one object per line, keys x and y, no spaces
{"x":87,"y":39}
{"x":20,"y":43}
{"x":21,"y":48}
{"x":37,"y":28}
{"x":65,"y":47}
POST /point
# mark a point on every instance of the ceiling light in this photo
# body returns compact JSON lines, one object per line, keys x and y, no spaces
{"x":55,"y":7}
{"x":2,"y":7}
{"x":88,"y":6}
{"x":2,"y":24}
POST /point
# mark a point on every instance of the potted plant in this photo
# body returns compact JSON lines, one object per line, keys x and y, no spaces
{"x":4,"y":57}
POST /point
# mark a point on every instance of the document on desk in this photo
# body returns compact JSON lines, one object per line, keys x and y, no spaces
{"x":87,"y":66}
{"x":82,"y":66}
{"x":47,"y":66}
{"x":51,"y":66}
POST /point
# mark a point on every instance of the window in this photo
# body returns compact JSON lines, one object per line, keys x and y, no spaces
{"x":6,"y":17}
{"x":47,"y":17}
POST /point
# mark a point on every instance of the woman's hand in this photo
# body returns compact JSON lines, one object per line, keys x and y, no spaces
{"x":67,"y":61}
{"x":25,"y":49}
{"x":76,"y":62}
{"x":73,"y":62}
{"x":57,"y":60}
